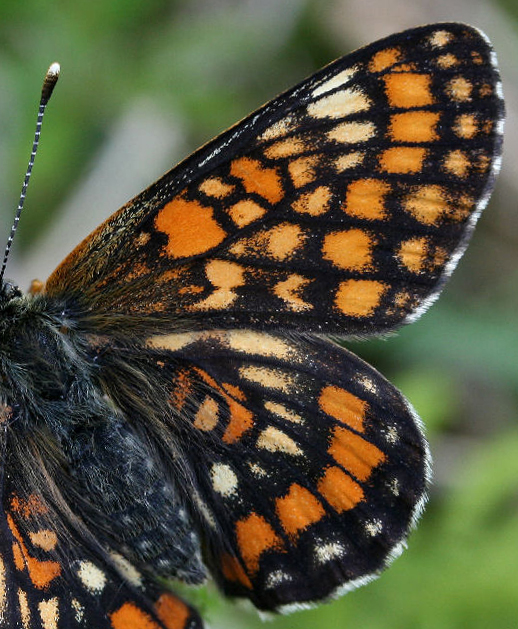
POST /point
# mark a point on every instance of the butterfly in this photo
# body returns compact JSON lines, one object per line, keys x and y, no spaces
{"x":171,"y":402}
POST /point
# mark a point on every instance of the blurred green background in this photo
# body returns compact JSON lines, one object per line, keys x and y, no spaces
{"x":143,"y":84}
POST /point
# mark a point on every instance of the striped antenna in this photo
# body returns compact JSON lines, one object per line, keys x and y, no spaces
{"x":49,"y":82}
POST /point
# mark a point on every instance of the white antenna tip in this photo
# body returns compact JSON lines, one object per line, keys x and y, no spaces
{"x":54,"y":69}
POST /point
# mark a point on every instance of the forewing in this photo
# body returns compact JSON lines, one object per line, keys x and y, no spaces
{"x":51,"y":580}
{"x":307,"y":467}
{"x":341,"y":206}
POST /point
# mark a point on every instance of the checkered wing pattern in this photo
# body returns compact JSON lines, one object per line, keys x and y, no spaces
{"x":50,"y":581}
{"x":339,"y":207}
{"x":308,"y":465}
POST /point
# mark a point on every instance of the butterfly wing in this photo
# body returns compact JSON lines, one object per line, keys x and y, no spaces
{"x":308,"y":466}
{"x":51,"y":580}
{"x":341,"y":206}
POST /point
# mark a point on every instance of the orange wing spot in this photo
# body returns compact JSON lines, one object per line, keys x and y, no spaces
{"x":414,"y":126}
{"x":354,"y":453}
{"x":413,"y":253}
{"x":402,"y":159}
{"x":350,"y":160}
{"x":289,"y":291}
{"x":18,"y":557}
{"x":343,"y":406}
{"x":285,"y":148}
{"x":384,"y":59}
{"x":279,"y":242}
{"x":245,"y":212}
{"x":340,"y":104}
{"x":340,"y":490}
{"x":457,"y":163}
{"x":28,"y":507}
{"x":351,"y":249}
{"x":302,"y":170}
{"x":190,"y":227}
{"x":352,"y":132}
{"x":216,"y":187}
{"x":298,"y":510}
{"x":233,"y":570}
{"x":365,"y":198}
{"x":258,"y":179}
{"x":129,"y":616}
{"x":447,"y":61}
{"x":41,"y":573}
{"x":408,"y":89}
{"x":183,"y":387}
{"x":172,"y":611}
{"x":459,"y":89}
{"x":314,"y":203}
{"x":225,"y":277}
{"x":234,"y":391}
{"x":255,"y":537}
{"x":206,"y":417}
{"x":359,"y":298}
{"x":241,"y":421}
{"x":427,"y":204}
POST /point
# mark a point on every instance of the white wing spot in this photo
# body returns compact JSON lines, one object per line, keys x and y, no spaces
{"x":224,"y":480}
{"x":92,"y":577}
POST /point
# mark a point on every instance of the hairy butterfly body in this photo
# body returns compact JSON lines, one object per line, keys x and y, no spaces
{"x":169,"y":405}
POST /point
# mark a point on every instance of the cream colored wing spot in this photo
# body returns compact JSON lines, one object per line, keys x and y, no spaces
{"x":268,"y":377}
{"x":457,"y":163}
{"x":275,"y":440}
{"x":349,"y":160}
{"x":290,"y":289}
{"x":439,"y":39}
{"x":466,"y":126}
{"x":279,"y":409}
{"x":280,"y":242}
{"x":459,"y":89}
{"x":352,"y":132}
{"x":174,"y":341}
{"x":286,"y":148}
{"x":206,"y":417}
{"x":279,"y":128}
{"x":224,"y":480}
{"x":45,"y":539}
{"x":216,"y":187}
{"x":92,"y":577}
{"x":340,"y":104}
{"x":260,"y":344}
{"x":23,"y":606}
{"x":336,"y":81}
{"x":49,"y":613}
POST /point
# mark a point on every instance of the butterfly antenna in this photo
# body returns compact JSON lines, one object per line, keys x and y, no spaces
{"x":49,"y":83}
